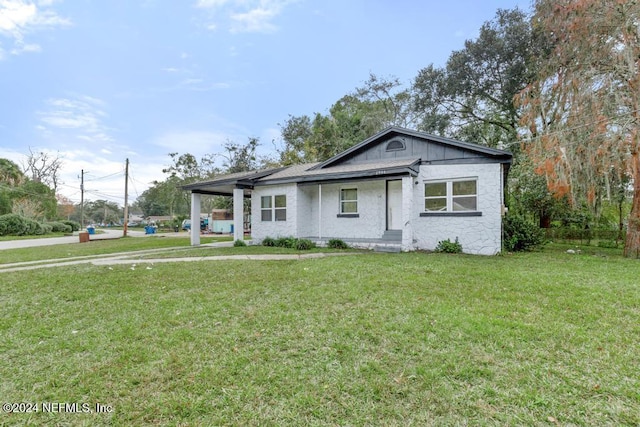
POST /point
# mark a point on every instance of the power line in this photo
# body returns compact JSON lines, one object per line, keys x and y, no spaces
{"x":101,"y":194}
{"x":133,"y":184}
{"x":105,"y":177}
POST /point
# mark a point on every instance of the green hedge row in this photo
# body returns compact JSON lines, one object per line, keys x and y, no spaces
{"x":17,"y":225}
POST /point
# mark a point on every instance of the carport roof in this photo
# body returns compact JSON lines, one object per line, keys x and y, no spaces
{"x":305,"y":173}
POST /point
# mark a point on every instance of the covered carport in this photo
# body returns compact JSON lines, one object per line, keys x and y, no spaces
{"x":237,"y":185}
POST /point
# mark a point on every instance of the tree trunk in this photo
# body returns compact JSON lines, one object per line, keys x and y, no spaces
{"x":632,"y":244}
{"x":545,"y":220}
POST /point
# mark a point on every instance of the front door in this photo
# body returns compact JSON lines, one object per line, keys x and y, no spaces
{"x":394,"y":205}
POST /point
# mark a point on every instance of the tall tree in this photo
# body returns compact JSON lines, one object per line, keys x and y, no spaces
{"x":295,"y":131}
{"x":103,"y":211}
{"x":240,"y":158}
{"x":10,"y":173}
{"x":583,"y":110}
{"x":43,"y":167}
{"x":65,"y":207}
{"x":10,"y":177}
{"x":185,"y":167}
{"x":385,"y":102}
{"x":167,"y":195}
{"x":165,"y":198}
{"x":34,"y":200}
{"x":379,"y":103}
{"x":472,"y":97}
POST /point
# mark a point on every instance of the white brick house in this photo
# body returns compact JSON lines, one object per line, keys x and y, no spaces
{"x":398,"y":189}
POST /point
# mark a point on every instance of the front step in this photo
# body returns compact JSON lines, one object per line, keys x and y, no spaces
{"x":386,"y":248}
{"x":392,"y":236}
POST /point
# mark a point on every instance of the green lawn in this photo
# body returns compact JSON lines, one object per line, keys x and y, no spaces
{"x":373,"y":339}
{"x":45,"y":236}
{"x":99,"y":247}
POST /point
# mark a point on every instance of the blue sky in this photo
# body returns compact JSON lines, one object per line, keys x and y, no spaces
{"x":97,"y":81}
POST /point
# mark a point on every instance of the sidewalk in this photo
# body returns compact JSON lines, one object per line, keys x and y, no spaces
{"x":105,"y":235}
{"x":48,"y":241}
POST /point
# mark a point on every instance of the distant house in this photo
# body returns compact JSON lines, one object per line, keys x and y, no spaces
{"x":159,"y":219}
{"x":398,"y":189}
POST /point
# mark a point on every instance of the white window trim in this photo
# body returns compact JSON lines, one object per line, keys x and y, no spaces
{"x":270,"y":209}
{"x":276,"y":209}
{"x":449,"y":194}
{"x":273,"y":208}
{"x":340,"y":201}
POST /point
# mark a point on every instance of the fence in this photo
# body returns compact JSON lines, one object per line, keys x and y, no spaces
{"x":584,"y":236}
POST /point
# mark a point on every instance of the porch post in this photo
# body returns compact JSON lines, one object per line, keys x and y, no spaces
{"x":407,"y":212}
{"x":238,"y":214}
{"x":195,"y":219}
{"x":319,"y":211}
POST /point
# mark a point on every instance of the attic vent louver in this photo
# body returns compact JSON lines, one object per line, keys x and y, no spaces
{"x":395,"y":145}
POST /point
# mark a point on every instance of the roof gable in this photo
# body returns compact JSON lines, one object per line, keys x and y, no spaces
{"x":393,"y":152}
{"x":400,"y":143}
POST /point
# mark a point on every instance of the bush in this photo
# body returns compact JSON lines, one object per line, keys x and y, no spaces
{"x":337,"y":244}
{"x":268,"y":241}
{"x":13,"y":224}
{"x":35,"y":228}
{"x":449,"y":247}
{"x":612,"y":244}
{"x":239,"y":242}
{"x":285,"y":242}
{"x":60,"y":227}
{"x":43,"y":228}
{"x":17,"y":225}
{"x":75,"y":226}
{"x":289,"y":242}
{"x":304,"y":244}
{"x":521,"y":235}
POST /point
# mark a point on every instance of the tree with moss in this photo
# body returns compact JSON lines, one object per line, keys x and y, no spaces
{"x":582,"y":112}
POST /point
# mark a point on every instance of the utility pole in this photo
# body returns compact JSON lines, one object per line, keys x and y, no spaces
{"x":126,"y":197}
{"x":82,"y":198}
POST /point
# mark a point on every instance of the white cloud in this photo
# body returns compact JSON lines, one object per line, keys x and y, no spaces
{"x":21,"y":47}
{"x":193,"y":83}
{"x":18,"y":18}
{"x":83,"y":114}
{"x":15,"y":15}
{"x":211,"y":3}
{"x":197,"y":143}
{"x":103,"y":173}
{"x":199,"y":85}
{"x":254,"y":21}
{"x":245,"y":16}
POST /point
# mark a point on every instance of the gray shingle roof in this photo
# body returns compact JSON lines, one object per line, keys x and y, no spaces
{"x":307,"y":171}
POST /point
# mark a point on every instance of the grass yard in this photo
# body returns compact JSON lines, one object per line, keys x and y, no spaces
{"x":99,"y":247}
{"x":6,"y":238}
{"x":545,"y":338}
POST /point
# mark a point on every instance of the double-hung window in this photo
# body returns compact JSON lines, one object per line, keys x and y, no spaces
{"x":349,"y":201}
{"x":273,"y":208}
{"x":451,"y":196}
{"x":280,"y":207}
